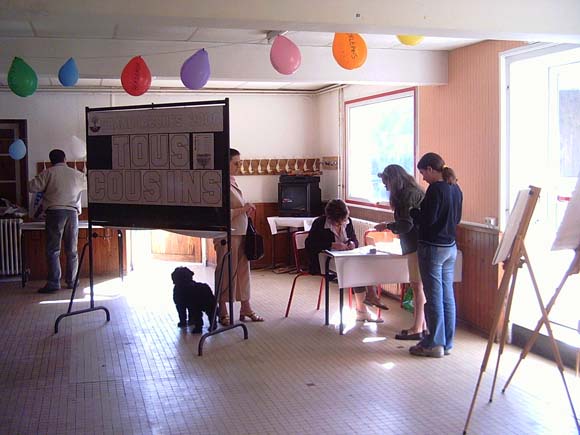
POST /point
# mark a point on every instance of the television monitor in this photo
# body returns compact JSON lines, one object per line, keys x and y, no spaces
{"x":299,"y":197}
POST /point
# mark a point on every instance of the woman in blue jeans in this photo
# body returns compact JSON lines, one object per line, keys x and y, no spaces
{"x":437,"y":220}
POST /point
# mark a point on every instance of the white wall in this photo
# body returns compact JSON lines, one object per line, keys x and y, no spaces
{"x":261,"y":126}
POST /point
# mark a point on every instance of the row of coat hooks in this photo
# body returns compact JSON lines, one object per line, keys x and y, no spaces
{"x":280,"y":167}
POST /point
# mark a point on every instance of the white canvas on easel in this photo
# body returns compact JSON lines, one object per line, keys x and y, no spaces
{"x":509,"y":235}
{"x":568,"y":235}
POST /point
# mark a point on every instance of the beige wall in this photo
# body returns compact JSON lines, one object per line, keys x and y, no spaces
{"x":461,"y":122}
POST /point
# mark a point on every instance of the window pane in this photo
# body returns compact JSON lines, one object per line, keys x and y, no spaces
{"x":380,"y":132}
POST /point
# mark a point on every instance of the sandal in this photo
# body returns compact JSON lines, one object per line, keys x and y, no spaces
{"x":376,"y":303}
{"x":224,"y":320}
{"x":252,"y":316}
{"x":363,"y":316}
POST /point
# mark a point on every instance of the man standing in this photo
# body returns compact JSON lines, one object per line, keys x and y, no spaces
{"x":62,"y":187}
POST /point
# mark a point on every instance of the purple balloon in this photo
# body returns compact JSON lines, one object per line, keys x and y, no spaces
{"x":195,"y":70}
{"x":285,"y":55}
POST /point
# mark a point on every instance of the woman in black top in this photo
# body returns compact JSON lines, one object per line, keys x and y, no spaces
{"x":405,"y":194}
{"x":334,"y":231}
{"x":437,"y":219}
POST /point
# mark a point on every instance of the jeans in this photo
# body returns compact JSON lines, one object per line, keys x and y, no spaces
{"x":61,"y":225}
{"x":437,"y":265}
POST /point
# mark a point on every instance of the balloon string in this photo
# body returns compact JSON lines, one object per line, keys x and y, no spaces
{"x":255,"y":41}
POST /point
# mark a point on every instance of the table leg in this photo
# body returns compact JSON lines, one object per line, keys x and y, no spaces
{"x":120,"y":246}
{"x":327,"y":292}
{"x":273,"y":251}
{"x":340,"y":306}
{"x":23,"y":259}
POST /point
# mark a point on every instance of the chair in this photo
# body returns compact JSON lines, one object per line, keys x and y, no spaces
{"x":301,"y":262}
{"x":372,"y":237}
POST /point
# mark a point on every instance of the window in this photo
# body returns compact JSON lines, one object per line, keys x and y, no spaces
{"x":380,"y":132}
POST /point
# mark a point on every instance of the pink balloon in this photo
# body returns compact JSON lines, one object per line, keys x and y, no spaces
{"x":285,"y":55}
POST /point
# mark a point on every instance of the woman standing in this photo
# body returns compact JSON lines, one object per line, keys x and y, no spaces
{"x":405,"y":194}
{"x":240,"y":209}
{"x":438,"y":218}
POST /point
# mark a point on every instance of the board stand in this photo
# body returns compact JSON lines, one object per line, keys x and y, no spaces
{"x":516,"y":258}
{"x":92,"y":307}
{"x":233,"y":324}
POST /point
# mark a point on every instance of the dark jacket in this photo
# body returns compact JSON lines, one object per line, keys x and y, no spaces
{"x":409,"y":198}
{"x":320,"y":239}
{"x":440,"y":214}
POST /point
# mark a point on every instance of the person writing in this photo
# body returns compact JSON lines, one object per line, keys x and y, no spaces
{"x":334,"y":231}
{"x":62,"y":187}
{"x":405,"y":194}
{"x":241,"y":282}
{"x":438,"y":217}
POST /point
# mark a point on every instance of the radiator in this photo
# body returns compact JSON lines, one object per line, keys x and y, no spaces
{"x":360,"y":226}
{"x":10,"y":260}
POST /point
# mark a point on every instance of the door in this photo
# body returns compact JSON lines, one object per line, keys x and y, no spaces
{"x":13,"y":173}
{"x":176,"y":247}
{"x":543,"y":149}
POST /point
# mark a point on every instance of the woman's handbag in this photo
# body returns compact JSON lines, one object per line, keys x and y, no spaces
{"x":254,"y":247}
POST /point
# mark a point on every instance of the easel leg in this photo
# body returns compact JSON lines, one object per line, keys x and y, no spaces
{"x":504,"y":332}
{"x":92,"y":297}
{"x":212,"y":329}
{"x":502,"y":292}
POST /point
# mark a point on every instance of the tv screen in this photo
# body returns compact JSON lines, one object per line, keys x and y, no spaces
{"x":294,"y":197}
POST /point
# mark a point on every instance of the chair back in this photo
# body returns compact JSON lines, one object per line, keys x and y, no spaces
{"x":300,"y":254}
{"x":372,"y":236}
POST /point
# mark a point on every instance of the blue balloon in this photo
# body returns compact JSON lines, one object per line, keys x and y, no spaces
{"x":68,"y":74}
{"x":17,"y":150}
{"x":195,"y":70}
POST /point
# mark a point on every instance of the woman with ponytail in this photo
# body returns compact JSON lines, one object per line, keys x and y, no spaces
{"x":437,"y":219}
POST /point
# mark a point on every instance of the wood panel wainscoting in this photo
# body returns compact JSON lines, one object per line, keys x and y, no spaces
{"x":105,"y":253}
{"x":263,"y":211}
{"x":476,"y":294}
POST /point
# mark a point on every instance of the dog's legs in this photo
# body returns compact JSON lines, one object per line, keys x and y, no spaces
{"x":182,"y":316}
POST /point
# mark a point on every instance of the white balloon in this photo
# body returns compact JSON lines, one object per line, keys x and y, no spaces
{"x":79,"y":147}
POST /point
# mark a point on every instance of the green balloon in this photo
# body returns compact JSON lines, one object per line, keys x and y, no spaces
{"x":22,"y":79}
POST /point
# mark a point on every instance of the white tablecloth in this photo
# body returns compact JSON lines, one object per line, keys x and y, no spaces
{"x":359,"y":267}
{"x":279,"y":222}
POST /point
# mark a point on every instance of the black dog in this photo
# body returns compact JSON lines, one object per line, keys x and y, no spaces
{"x":195,"y":297}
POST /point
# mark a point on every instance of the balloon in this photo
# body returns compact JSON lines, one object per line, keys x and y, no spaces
{"x":349,"y":50}
{"x":17,"y":150}
{"x":409,"y":39}
{"x":22,"y":79}
{"x":68,"y":74}
{"x":136,"y":77}
{"x":195,"y":70}
{"x":79,"y":147}
{"x":285,"y":55}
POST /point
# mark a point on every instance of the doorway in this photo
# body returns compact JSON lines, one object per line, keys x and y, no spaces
{"x":541,"y":147}
{"x":13,"y":173}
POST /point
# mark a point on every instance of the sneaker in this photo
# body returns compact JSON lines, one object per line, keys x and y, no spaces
{"x":46,"y":289}
{"x":433,"y":352}
{"x":447,"y":352}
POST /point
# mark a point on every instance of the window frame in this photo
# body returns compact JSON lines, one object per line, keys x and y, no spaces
{"x":391,"y":95}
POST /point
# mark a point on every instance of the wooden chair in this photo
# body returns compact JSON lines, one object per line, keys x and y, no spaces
{"x":372,"y":237}
{"x":301,"y":262}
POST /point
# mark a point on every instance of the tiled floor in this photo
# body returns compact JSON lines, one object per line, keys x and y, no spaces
{"x":140,"y":374}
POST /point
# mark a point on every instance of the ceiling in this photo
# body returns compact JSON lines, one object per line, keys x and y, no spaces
{"x":59,"y":28}
{"x":103,"y":36}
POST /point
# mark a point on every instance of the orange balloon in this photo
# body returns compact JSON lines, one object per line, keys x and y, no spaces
{"x":349,"y":50}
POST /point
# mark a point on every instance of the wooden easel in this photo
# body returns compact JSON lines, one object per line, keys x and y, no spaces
{"x":513,"y":254}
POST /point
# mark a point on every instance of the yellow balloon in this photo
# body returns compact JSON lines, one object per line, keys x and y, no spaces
{"x":349,"y":50}
{"x":409,"y":39}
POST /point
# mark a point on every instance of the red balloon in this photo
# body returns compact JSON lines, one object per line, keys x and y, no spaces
{"x":136,"y":77}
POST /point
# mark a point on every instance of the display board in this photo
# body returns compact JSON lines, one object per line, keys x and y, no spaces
{"x":163,"y":166}
{"x":568,"y":235}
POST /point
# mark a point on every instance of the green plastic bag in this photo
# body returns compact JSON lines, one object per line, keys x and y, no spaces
{"x":408,"y":300}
